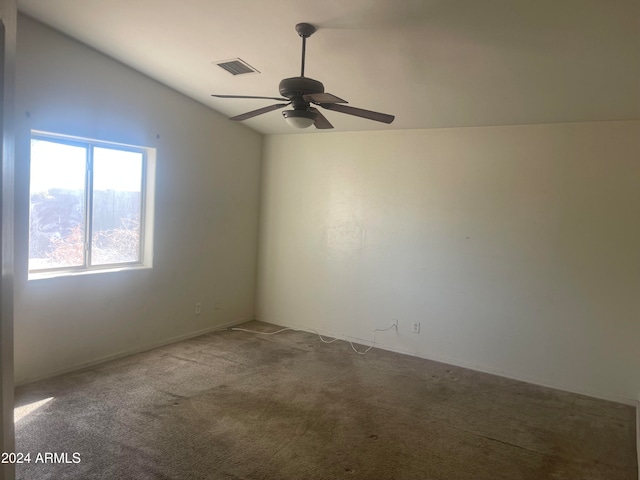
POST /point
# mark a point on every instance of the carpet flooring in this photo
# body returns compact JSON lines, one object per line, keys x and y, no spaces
{"x":236,"y":405}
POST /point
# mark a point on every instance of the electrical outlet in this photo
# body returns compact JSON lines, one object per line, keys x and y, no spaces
{"x":416,"y":327}
{"x":198,"y":309}
{"x":216,"y":304}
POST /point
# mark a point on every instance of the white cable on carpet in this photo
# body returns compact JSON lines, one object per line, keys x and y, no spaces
{"x":310,"y":330}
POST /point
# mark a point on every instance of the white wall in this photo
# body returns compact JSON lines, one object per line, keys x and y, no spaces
{"x":206,"y":218}
{"x":517,"y":248}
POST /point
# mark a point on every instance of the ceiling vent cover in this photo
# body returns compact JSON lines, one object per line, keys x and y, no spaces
{"x":236,"y":66}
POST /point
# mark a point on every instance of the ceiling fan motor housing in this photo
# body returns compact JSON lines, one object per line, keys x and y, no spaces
{"x":299,"y":86}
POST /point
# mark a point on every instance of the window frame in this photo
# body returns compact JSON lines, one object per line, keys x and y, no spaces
{"x":147,"y":196}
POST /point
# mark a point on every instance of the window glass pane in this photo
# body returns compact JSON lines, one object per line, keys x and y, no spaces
{"x":56,"y":205}
{"x":117,"y":201}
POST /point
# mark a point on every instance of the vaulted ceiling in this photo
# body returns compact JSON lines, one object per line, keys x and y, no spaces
{"x":432,"y":63}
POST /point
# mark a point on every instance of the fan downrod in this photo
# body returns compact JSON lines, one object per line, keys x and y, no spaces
{"x":305,"y":30}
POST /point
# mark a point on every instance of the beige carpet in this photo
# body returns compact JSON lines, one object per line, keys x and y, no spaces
{"x":233,"y":405}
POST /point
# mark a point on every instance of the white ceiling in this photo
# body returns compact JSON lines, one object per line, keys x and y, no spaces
{"x":432,"y":63}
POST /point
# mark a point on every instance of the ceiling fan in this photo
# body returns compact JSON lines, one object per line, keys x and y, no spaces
{"x":303,"y":92}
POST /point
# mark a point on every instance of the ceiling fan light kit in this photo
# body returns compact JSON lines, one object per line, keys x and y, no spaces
{"x":299,"y":118}
{"x":301,"y":92}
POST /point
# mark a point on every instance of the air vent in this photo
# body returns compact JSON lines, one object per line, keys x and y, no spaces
{"x":236,"y":66}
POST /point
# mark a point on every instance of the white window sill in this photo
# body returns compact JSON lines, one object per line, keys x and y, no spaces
{"x":93,"y":271}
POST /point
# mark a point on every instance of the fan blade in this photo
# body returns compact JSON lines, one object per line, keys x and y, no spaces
{"x":323,"y":98}
{"x":359,"y":112}
{"x":249,"y":96}
{"x":260,"y":111}
{"x":321,"y":121}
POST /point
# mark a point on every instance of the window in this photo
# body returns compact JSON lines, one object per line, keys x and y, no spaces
{"x":90,"y":205}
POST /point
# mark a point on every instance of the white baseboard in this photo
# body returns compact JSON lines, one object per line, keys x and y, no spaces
{"x":471,"y":366}
{"x":526,"y":379}
{"x":126,"y":353}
